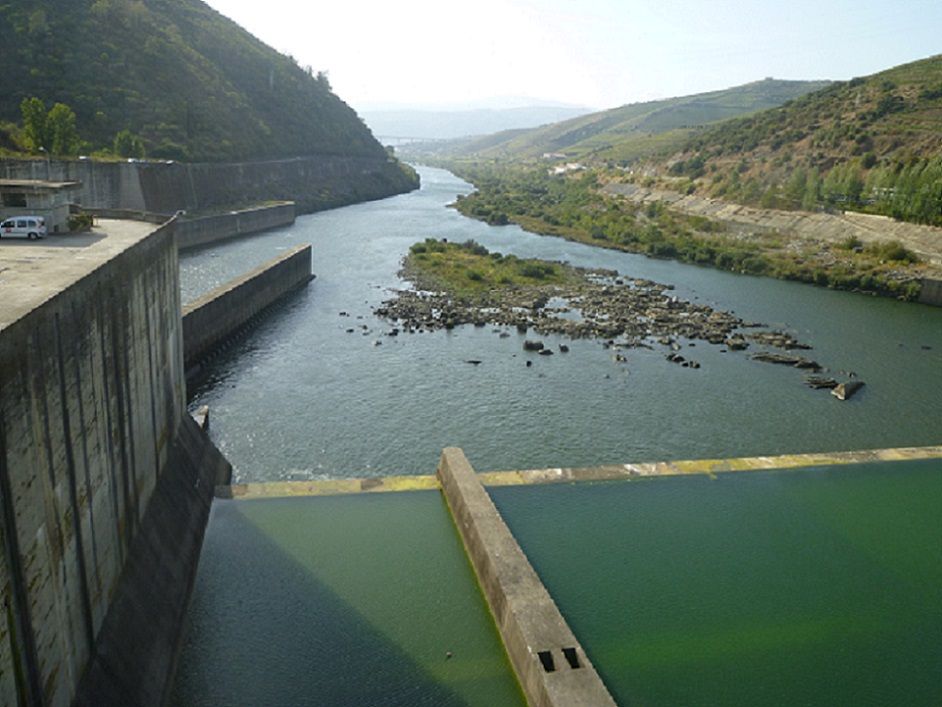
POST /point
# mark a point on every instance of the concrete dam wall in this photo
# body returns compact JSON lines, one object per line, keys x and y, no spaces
{"x":199,"y":232}
{"x":105,"y":481}
{"x":315,"y":182}
{"x":215,"y":316}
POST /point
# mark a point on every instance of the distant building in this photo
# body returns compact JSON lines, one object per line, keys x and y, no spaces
{"x":565,"y":169}
{"x":22,"y":197}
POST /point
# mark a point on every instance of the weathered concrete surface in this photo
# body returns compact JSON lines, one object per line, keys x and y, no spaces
{"x":314,"y":182}
{"x":93,"y":427}
{"x":197,"y":232}
{"x":137,"y":645}
{"x":926,"y":241}
{"x":330,"y":487}
{"x":386,"y":484}
{"x":33,"y":272}
{"x":706,"y":466}
{"x":218,"y":314}
{"x":931,"y":292}
{"x":529,"y":622}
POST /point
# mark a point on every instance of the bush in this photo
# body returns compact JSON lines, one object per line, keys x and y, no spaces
{"x":537,"y":271}
{"x":892,"y":250}
{"x":472,"y":246}
{"x":851,"y":243}
{"x":81,"y":221}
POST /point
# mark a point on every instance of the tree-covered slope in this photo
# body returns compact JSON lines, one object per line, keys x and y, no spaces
{"x":871,"y":144}
{"x":192,"y":83}
{"x":635,"y":130}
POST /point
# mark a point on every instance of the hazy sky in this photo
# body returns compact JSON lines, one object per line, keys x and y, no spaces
{"x":597,"y":53}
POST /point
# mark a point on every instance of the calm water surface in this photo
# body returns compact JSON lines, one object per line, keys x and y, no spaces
{"x":350,"y":600}
{"x":301,"y":398}
{"x":802,"y":587}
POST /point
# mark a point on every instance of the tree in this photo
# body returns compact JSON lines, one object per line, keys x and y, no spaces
{"x":35,"y":132}
{"x":127,"y":144}
{"x":60,"y":124}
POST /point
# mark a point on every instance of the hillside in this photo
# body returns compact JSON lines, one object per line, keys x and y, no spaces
{"x":871,"y":144}
{"x":636,"y":130}
{"x":193,"y":84}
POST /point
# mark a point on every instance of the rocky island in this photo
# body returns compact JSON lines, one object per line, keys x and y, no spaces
{"x":464,"y":283}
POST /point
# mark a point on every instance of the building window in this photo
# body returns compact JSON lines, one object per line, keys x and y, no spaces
{"x":14,"y":199}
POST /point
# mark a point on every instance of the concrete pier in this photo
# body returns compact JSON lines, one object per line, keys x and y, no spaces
{"x":551,"y":665}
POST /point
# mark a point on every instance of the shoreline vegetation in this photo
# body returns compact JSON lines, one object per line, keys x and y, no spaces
{"x":573,"y":207}
{"x":464,"y":283}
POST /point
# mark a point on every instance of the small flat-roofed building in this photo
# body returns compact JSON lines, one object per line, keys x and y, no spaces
{"x":24,"y":197}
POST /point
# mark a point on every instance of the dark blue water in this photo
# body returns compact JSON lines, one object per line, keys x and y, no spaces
{"x":301,"y":398}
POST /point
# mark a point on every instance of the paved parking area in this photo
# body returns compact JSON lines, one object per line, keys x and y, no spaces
{"x":32,"y":272}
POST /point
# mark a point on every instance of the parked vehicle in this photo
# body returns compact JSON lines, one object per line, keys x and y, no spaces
{"x":31,"y":227}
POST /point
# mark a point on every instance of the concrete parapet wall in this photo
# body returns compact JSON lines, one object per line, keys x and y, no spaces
{"x":551,"y":665}
{"x":211,"y":229}
{"x":217,"y":315}
{"x":612,"y":472}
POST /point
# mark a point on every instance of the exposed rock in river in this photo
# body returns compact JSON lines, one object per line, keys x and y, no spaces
{"x":844,"y":391}
{"x":464,"y":284}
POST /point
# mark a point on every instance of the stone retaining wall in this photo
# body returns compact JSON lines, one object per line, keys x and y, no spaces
{"x":313,"y":182}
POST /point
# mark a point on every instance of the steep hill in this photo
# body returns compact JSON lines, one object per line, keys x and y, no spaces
{"x":871,"y":144}
{"x":191,"y":82}
{"x":638,"y":129}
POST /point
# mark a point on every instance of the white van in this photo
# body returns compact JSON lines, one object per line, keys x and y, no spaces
{"x":24,"y":227}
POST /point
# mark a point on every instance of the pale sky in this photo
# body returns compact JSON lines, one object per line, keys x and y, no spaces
{"x":594,"y":53}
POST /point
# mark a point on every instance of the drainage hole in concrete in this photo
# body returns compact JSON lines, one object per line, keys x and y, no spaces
{"x":546,"y":658}
{"x":571,"y":657}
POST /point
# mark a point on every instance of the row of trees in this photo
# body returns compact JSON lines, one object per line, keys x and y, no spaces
{"x":910,"y":192}
{"x":54,"y":132}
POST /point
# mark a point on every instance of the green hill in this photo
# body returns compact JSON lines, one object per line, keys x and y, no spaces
{"x":640,"y":129}
{"x":871,"y":144}
{"x":193,"y":84}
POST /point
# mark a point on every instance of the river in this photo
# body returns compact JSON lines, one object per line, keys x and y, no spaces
{"x":302,"y":398}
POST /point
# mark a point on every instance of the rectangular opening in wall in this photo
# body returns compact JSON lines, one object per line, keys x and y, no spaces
{"x":14,"y":199}
{"x":546,"y":658}
{"x":571,"y":657}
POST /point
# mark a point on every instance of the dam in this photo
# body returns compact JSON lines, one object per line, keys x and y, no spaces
{"x":305,"y":595}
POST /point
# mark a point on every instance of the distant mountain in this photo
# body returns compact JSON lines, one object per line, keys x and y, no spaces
{"x":872,"y":143}
{"x":635,"y":130}
{"x":192,"y":83}
{"x":449,"y":124}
